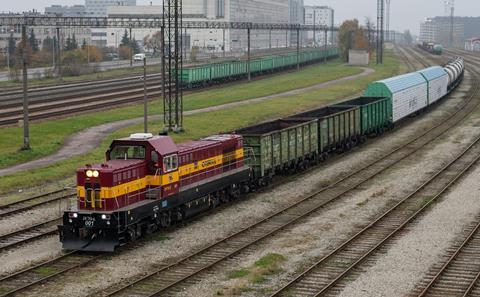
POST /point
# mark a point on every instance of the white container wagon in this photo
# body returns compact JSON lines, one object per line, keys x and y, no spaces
{"x":408,"y":93}
{"x":437,"y":81}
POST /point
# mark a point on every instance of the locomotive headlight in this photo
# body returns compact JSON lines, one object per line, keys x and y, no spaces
{"x":105,"y":217}
{"x":95,"y":173}
{"x":89,"y":173}
{"x":73,"y":215}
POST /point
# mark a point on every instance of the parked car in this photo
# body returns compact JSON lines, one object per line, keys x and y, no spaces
{"x":139,"y":57}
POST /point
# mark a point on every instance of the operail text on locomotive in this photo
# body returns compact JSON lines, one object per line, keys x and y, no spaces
{"x":148,"y":182}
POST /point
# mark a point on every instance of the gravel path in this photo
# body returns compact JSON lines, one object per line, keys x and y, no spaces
{"x":89,"y":139}
{"x":203,"y":231}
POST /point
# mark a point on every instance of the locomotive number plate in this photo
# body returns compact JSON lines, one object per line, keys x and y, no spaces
{"x":89,"y":222}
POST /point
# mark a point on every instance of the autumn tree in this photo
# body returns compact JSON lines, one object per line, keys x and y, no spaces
{"x":125,"y":52}
{"x":153,"y":43}
{"x":351,"y":36}
{"x":93,"y":53}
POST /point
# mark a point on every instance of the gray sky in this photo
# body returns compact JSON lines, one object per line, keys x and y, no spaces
{"x":406,"y":14}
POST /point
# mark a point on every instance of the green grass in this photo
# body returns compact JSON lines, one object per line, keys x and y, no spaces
{"x":238,"y":273}
{"x":47,"y":137}
{"x":196,"y":125}
{"x":45,"y":270}
{"x":267,"y":265}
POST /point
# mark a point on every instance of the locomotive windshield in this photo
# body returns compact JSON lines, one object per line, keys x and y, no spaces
{"x":125,"y":152}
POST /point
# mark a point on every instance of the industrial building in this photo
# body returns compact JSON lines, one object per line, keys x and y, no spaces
{"x":319,"y":16}
{"x":98,"y":8}
{"x":215,"y":41}
{"x":67,"y":11}
{"x":438,"y":30}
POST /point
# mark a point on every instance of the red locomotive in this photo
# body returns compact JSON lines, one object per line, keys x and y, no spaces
{"x":149,"y":182}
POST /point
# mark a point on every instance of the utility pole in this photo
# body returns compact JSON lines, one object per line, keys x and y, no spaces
{"x":387,"y":2}
{"x":248,"y":55}
{"x":145,"y":97}
{"x":380,"y":31}
{"x":314,"y":23}
{"x":131,"y":40}
{"x":26,"y":131}
{"x":450,"y":10}
{"x":298,"y":49}
{"x":59,"y":55}
{"x":173,"y":95}
{"x":325,"y":45}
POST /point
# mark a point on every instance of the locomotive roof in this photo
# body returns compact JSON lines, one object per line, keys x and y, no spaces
{"x":164,"y":145}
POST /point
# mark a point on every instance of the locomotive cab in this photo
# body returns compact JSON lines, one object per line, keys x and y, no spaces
{"x":147,"y":182}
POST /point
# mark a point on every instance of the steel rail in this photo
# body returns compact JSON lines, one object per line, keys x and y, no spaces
{"x":314,"y":272}
{"x":241,"y":247}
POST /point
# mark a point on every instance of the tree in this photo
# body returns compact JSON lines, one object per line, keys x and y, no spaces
{"x":351,"y":36}
{"x":153,"y":43}
{"x":48,"y":44}
{"x":74,"y":42}
{"x":71,"y":43}
{"x":84,"y":44}
{"x":370,"y":28}
{"x":125,"y":52}
{"x":32,"y":40}
{"x":125,"y":39}
{"x":135,"y":47}
{"x":345,"y":37}
{"x":12,"y":45}
{"x":93,"y":53}
{"x":408,"y":37}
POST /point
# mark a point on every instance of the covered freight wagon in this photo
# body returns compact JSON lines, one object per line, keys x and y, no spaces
{"x":437,"y":81}
{"x":408,"y":93}
{"x":279,"y":145}
{"x":338,"y":126}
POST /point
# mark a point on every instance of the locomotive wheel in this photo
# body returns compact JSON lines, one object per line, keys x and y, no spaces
{"x":131,"y":234}
{"x":165,"y":220}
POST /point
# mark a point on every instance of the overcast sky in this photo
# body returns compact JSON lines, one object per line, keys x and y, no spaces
{"x":406,"y":14}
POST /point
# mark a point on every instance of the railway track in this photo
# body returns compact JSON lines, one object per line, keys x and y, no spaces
{"x":36,"y":231}
{"x":22,"y":280}
{"x":239,"y":241}
{"x":33,"y":202}
{"x":87,"y":96}
{"x":459,"y":275}
{"x":407,"y":59}
{"x":41,"y":230}
{"x":420,"y":59}
{"x":326,"y":275}
{"x":187,"y":270}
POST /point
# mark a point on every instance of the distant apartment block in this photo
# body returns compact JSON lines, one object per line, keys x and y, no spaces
{"x":319,"y":16}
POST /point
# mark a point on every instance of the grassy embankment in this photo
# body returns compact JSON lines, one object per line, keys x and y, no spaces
{"x":47,"y":137}
{"x":212,"y":122}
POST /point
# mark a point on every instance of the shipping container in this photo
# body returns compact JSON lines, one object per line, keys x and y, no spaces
{"x":437,"y":81}
{"x":408,"y":94}
{"x":375,"y":112}
{"x":279,"y":145}
{"x":338,"y":126}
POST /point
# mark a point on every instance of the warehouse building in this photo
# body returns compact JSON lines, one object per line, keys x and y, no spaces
{"x":98,"y":8}
{"x":215,"y":40}
{"x":67,"y":11}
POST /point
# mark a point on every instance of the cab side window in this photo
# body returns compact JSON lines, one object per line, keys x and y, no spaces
{"x":170,"y":163}
{"x":154,"y":157}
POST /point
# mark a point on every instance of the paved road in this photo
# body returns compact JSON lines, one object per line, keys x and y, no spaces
{"x":39,"y":72}
{"x":86,"y":140}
